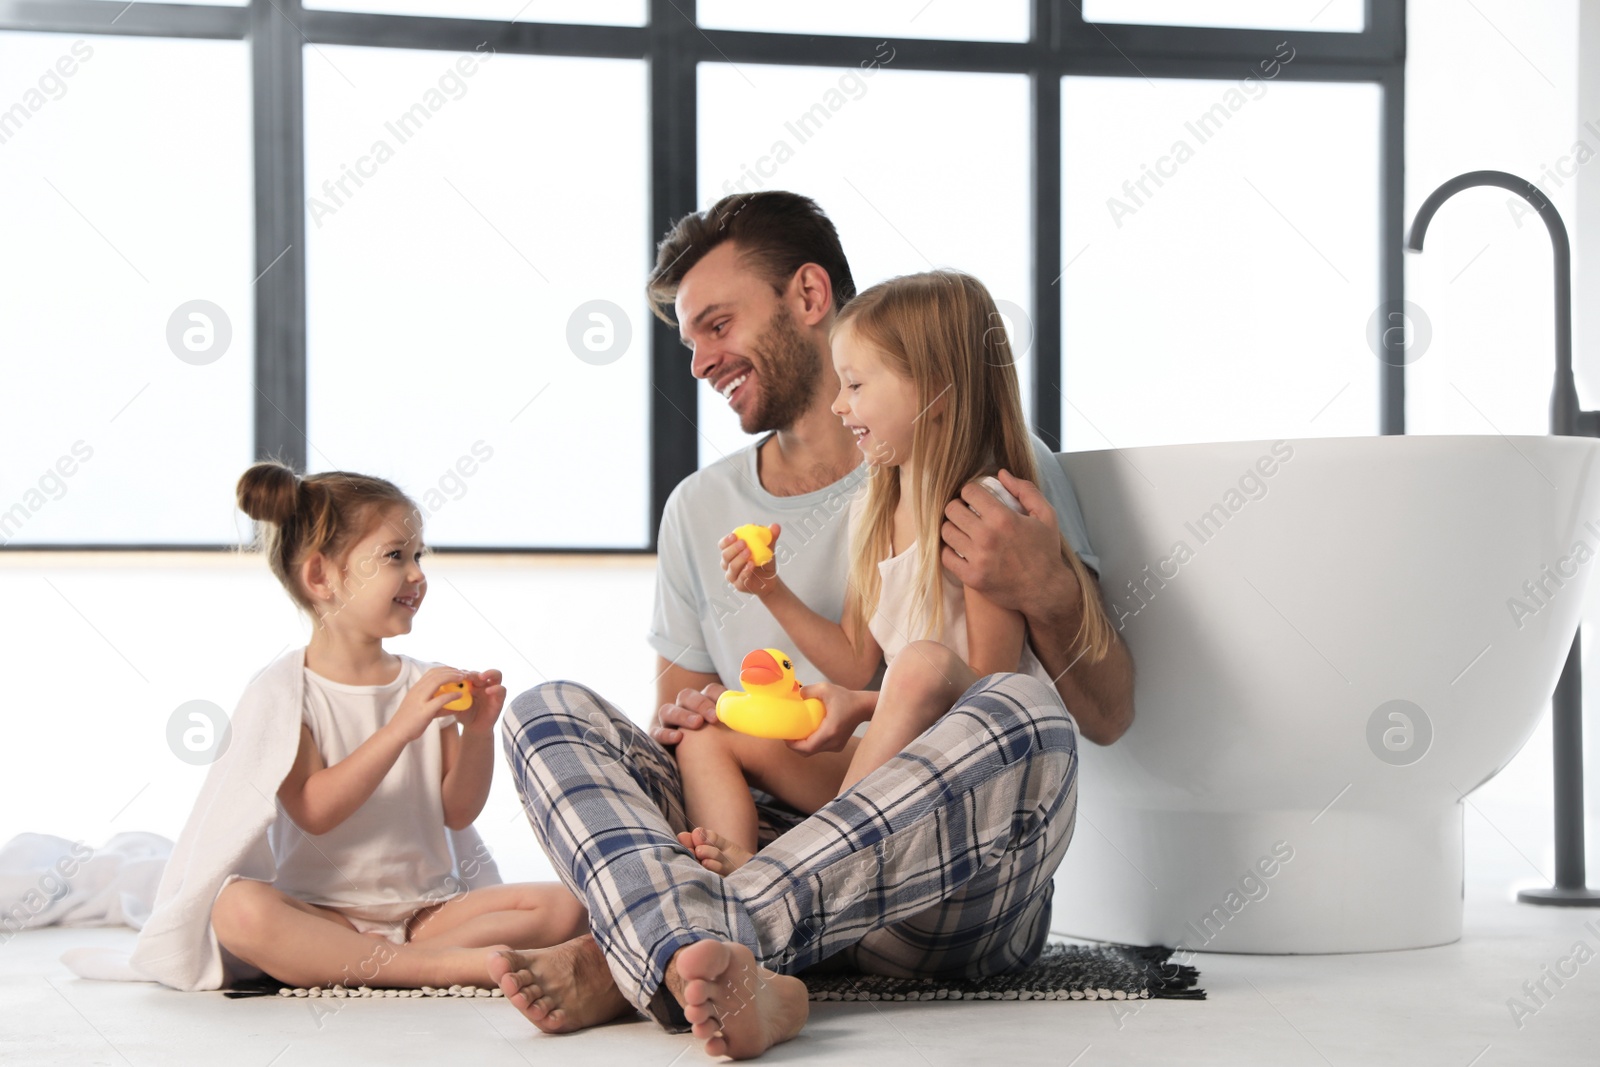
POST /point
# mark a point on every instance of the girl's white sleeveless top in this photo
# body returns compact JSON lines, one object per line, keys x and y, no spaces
{"x":394,"y":849}
{"x":893,"y":625}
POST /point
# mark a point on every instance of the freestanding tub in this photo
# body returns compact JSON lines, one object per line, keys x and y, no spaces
{"x":1334,"y":641}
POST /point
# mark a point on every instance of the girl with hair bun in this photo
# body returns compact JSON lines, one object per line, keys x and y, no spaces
{"x":332,"y":842}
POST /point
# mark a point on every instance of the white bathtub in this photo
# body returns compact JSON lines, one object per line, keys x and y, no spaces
{"x":1266,"y":798}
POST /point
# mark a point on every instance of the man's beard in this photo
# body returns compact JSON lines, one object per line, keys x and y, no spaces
{"x":790,"y":371}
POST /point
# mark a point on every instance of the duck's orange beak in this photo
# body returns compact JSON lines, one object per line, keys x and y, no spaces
{"x":759,"y":668}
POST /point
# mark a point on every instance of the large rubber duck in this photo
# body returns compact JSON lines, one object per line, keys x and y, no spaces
{"x":771,"y":705}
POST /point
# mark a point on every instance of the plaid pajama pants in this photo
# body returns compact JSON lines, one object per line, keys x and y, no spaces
{"x":939,"y":863}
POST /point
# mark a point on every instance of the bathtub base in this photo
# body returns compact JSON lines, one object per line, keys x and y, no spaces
{"x":1263,"y":882}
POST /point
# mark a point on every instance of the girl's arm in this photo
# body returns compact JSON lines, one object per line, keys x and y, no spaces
{"x":995,"y":635}
{"x":468,"y":756}
{"x":828,"y":644}
{"x":824,"y":642}
{"x":468,"y":770}
{"x":319,"y":798}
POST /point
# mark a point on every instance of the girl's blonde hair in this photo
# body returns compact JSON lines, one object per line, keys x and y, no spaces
{"x":941,"y":331}
{"x":327,"y":513}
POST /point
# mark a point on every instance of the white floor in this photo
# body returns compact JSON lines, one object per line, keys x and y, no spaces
{"x":1442,"y":1006}
{"x":106,"y":646}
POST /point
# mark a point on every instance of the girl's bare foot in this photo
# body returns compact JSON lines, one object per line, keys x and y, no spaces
{"x":560,"y":989}
{"x":735,"y":1006}
{"x":716,"y":853}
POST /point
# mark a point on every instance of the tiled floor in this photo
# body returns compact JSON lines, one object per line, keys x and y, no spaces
{"x":118,"y":642}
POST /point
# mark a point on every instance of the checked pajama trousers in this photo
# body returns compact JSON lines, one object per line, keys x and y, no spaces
{"x":937,"y":864}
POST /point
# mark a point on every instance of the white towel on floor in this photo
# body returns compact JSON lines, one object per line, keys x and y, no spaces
{"x":50,"y":881}
{"x":227,"y":834}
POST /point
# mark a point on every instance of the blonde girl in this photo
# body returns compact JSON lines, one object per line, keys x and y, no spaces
{"x":366,"y":888}
{"x":928,"y":386}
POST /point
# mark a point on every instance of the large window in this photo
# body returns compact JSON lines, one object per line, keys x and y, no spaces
{"x":992,"y":20}
{"x":601,"y":12}
{"x":888,"y":154}
{"x":409,"y":236}
{"x":1325,"y":15}
{"x":442,"y":284}
{"x":1223,"y":261}
{"x":125,"y":288}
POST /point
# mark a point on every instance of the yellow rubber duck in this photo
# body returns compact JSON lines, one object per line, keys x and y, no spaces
{"x":771,"y":705}
{"x":460,"y":703}
{"x":759,"y":538}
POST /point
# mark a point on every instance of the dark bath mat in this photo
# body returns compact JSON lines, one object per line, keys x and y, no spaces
{"x":1063,"y":972}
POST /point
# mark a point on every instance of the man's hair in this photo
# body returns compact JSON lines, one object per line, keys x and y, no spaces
{"x":777,"y":232}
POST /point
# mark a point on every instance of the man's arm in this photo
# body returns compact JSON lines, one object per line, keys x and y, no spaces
{"x":1100,"y":695}
{"x":1015,"y":561}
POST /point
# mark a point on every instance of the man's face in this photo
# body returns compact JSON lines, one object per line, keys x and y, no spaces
{"x":746,"y":342}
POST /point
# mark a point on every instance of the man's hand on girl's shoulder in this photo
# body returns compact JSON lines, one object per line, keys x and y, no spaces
{"x":1013,"y":559}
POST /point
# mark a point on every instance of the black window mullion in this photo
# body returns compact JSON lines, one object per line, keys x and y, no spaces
{"x":277,"y":106}
{"x":827,"y":50}
{"x":674,"y":416}
{"x":1045,"y":123}
{"x":465,"y":35}
{"x":1391,"y":241}
{"x":1381,"y":43}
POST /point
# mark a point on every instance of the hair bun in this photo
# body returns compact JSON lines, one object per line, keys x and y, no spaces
{"x":269,"y":492}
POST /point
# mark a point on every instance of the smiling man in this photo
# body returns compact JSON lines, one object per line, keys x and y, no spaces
{"x":967,"y":825}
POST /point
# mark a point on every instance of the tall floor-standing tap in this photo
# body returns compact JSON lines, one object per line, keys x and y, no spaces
{"x":1569,"y":420}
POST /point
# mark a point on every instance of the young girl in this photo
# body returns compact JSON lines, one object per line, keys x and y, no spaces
{"x":927,"y":385}
{"x":365,"y":885}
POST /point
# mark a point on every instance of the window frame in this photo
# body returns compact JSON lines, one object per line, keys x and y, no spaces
{"x":672,"y":44}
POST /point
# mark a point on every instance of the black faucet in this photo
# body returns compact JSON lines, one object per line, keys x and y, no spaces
{"x":1567,"y":419}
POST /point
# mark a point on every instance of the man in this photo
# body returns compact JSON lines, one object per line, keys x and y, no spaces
{"x":772,"y":363}
{"x":967,"y":825}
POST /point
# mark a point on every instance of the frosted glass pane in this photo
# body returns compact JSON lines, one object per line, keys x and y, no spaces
{"x":591,"y":12}
{"x":127,"y":175}
{"x":917,"y":170}
{"x":1348,"y":16}
{"x":1477,"y":101}
{"x":476,"y":323}
{"x":1223,"y":254}
{"x":993,"y":20}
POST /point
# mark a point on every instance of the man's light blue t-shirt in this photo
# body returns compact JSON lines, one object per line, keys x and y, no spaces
{"x":701,"y":623}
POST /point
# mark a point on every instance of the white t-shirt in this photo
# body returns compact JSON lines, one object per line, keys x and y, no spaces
{"x":894,"y":624}
{"x":393,"y":851}
{"x":701,"y":623}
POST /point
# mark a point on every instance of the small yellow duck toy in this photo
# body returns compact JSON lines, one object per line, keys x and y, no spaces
{"x":460,"y":703}
{"x":759,"y":538}
{"x":771,"y":705}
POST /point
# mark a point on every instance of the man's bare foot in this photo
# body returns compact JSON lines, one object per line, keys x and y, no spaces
{"x":716,"y":853}
{"x":560,"y":989}
{"x":735,"y":1006}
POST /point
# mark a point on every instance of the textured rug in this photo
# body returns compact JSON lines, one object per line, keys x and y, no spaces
{"x":1063,"y":972}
